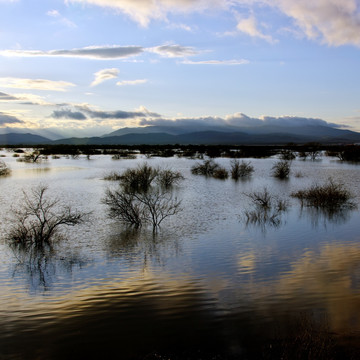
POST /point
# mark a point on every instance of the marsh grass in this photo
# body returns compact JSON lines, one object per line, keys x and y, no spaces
{"x":112,"y":176}
{"x":240,"y":170}
{"x":267,"y":209}
{"x":329,"y":196}
{"x":281,"y":169}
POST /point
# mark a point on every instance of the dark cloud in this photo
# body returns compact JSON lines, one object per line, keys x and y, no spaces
{"x":4,"y":96}
{"x":9,"y":119}
{"x":68,"y":114}
{"x":118,"y":114}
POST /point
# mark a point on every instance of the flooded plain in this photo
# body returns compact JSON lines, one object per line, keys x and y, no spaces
{"x":208,"y":284}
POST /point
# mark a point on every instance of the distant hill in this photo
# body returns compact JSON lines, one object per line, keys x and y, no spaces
{"x":159,"y":135}
{"x":23,"y":139}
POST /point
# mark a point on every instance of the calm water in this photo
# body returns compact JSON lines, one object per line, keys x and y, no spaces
{"x":206,"y":283}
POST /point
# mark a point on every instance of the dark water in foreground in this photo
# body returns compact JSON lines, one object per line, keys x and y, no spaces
{"x":207,"y":286}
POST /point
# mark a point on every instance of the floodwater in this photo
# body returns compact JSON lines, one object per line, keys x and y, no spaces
{"x":206,"y":285}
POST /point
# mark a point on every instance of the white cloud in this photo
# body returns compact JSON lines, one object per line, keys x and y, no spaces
{"x":131,"y":82}
{"x":334,"y":22}
{"x":35,"y":84}
{"x":60,"y":19}
{"x":173,"y":50}
{"x":217,"y":62}
{"x":90,"y":52}
{"x":143,"y":11}
{"x":53,"y":13}
{"x":105,"y":74}
{"x":249,"y":26}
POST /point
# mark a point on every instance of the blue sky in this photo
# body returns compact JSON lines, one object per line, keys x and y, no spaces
{"x":88,"y":67}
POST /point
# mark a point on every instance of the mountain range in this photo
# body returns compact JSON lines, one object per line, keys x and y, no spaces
{"x":210,"y":135}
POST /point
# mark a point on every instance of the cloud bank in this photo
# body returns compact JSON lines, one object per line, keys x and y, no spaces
{"x":237,"y":121}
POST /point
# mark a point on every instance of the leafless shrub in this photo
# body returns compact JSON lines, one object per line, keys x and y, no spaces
{"x":267,"y":209}
{"x":38,"y":221}
{"x":220,"y":173}
{"x":113,"y":176}
{"x":241,"y":170}
{"x":141,"y":200}
{"x":123,"y":206}
{"x":32,"y":157}
{"x":138,"y":179}
{"x":281,"y":169}
{"x":207,"y":168}
{"x":167,"y":178}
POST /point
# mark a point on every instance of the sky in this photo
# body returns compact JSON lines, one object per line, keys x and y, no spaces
{"x":89,"y":67}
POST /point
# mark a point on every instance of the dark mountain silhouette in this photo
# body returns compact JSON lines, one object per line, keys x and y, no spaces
{"x":159,"y":135}
{"x":23,"y":139}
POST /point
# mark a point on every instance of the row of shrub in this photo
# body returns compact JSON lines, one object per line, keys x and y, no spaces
{"x":286,"y":152}
{"x":238,"y":170}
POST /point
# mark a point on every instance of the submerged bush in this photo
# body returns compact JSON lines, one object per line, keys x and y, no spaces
{"x":37,"y":222}
{"x":240,"y":170}
{"x":267,"y":209}
{"x":281,"y":169}
{"x":207,"y":168}
{"x":220,"y":173}
{"x":329,"y":195}
{"x":138,"y":179}
{"x":168,"y":178}
{"x":140,"y":200}
{"x":4,"y":169}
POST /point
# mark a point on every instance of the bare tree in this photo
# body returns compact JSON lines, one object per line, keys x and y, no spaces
{"x":38,"y":221}
{"x":139,"y":199}
{"x":124,"y":206}
{"x":158,"y":205}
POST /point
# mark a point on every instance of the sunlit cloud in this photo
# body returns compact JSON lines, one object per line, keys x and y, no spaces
{"x":335,"y":22}
{"x":144,"y":11}
{"x":104,"y":75}
{"x":35,"y":84}
{"x":25,"y":99}
{"x":217,"y":62}
{"x":131,"y":82}
{"x":7,"y":97}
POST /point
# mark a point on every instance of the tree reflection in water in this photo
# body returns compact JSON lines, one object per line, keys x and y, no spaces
{"x":42,"y":265}
{"x":143,"y":245}
{"x":326,"y":216}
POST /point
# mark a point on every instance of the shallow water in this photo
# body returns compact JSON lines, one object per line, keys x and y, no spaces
{"x":206,"y":282}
